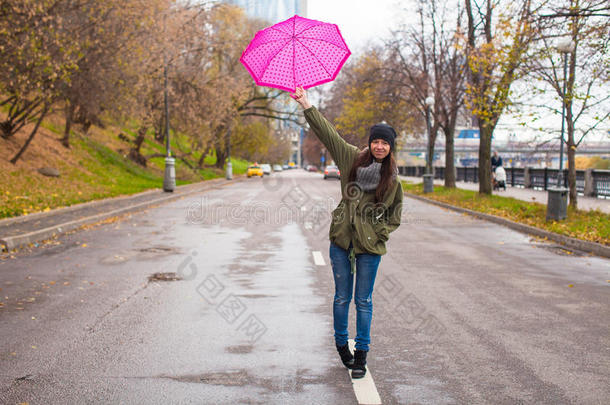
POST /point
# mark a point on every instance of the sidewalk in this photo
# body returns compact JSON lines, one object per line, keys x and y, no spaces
{"x":526,"y":194}
{"x":23,"y":230}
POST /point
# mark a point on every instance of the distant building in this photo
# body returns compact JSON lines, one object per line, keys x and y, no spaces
{"x":272,"y":10}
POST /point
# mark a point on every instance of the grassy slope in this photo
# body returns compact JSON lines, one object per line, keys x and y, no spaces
{"x":591,"y":225}
{"x":94,"y":167}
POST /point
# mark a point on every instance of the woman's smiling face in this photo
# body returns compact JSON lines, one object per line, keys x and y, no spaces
{"x":380,"y":149}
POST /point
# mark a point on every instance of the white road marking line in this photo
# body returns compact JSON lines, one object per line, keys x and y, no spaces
{"x":364,"y":388}
{"x":318,"y":259}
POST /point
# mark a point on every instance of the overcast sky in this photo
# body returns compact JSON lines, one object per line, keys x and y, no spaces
{"x":360,"y":21}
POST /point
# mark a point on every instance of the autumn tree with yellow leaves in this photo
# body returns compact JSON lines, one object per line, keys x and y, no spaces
{"x":498,"y":35}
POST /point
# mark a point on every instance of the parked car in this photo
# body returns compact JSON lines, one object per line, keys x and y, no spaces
{"x":277,"y":168}
{"x":311,"y":168}
{"x":332,"y":171}
{"x":254,"y":170}
{"x":285,"y":167}
{"x":266,"y":168}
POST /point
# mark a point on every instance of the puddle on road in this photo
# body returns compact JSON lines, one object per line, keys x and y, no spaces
{"x":171,"y":276}
{"x":158,"y":249}
{"x":239,"y":349}
{"x":146,"y":253}
{"x":557,"y":249}
{"x":234,"y":378}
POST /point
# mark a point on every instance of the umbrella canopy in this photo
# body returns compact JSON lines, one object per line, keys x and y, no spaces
{"x":296,"y":52}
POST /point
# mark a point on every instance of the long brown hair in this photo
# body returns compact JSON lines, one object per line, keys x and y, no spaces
{"x":388,"y":169}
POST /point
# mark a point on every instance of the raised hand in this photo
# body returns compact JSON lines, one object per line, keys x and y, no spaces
{"x":300,"y":95}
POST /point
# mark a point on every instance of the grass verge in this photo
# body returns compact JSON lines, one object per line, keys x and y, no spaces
{"x":96,"y":166}
{"x":593,"y":225}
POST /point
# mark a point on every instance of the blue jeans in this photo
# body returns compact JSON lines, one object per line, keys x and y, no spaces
{"x":366,"y":270}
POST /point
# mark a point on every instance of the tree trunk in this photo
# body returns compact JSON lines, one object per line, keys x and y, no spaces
{"x":140,"y":139}
{"x":449,"y":157}
{"x":32,"y":134}
{"x":18,"y":115}
{"x":568,"y":99}
{"x":485,"y":131}
{"x":571,"y":150}
{"x":207,"y":151}
{"x":160,"y":131}
{"x":201,"y":159}
{"x":221,"y":154}
{"x":134,"y":153}
{"x":65,"y":141}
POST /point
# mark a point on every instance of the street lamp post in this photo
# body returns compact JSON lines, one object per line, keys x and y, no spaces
{"x":557,"y":205}
{"x":229,"y":170}
{"x":169,"y":181}
{"x":428,"y":176}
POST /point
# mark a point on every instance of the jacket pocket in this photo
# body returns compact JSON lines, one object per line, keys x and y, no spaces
{"x":382,"y":231}
{"x":365,"y":231}
{"x":339,"y":225}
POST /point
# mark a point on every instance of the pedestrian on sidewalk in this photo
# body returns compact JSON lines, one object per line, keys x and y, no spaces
{"x":495,"y":161}
{"x":370,"y":208}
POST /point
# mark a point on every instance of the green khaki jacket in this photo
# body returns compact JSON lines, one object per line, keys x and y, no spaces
{"x":357,"y":219}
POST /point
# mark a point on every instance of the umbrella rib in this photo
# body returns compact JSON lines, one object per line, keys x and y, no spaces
{"x":294,"y":54}
{"x":283,"y":32}
{"x":269,"y":42}
{"x":308,"y":28}
{"x":271,"y":58}
{"x":321,"y":40}
{"x":314,"y":55}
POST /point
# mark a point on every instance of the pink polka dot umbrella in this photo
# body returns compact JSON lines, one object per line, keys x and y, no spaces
{"x":296,"y":52}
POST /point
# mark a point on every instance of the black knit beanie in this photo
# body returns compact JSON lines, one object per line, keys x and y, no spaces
{"x":382,"y":131}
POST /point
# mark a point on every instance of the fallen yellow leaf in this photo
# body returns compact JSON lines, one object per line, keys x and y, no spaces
{"x":570,"y":285}
{"x":84,"y":245}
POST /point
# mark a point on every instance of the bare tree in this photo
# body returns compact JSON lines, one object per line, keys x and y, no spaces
{"x":36,"y":51}
{"x":496,"y":48}
{"x":585,"y":98}
{"x":429,"y":61}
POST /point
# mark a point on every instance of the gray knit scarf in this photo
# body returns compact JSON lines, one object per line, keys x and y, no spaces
{"x":367,"y":178}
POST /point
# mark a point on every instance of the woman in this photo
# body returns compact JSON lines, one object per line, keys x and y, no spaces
{"x":369,"y":210}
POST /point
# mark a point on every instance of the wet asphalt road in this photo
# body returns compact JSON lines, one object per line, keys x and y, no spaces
{"x":466,"y":312}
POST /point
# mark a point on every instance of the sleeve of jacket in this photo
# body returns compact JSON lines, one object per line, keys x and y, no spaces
{"x":395,"y":210}
{"x":342,"y":152}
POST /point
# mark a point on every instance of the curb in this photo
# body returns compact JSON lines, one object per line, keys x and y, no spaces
{"x":578,"y":244}
{"x":12,"y":242}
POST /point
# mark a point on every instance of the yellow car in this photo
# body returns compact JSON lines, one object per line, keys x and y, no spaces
{"x":254,"y":170}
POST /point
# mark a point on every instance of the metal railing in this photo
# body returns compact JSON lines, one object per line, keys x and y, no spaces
{"x":590,"y":182}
